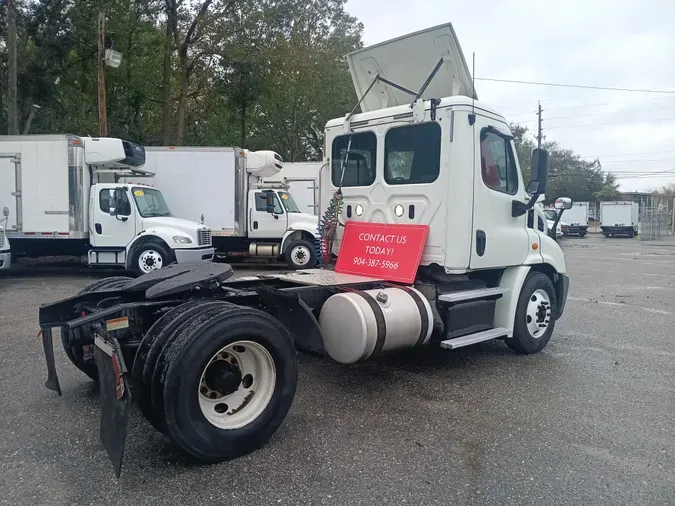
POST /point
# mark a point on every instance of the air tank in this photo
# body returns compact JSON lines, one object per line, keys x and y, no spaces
{"x":360,"y":324}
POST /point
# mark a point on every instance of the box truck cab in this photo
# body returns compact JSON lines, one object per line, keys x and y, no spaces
{"x":65,"y":200}
{"x":226,"y":189}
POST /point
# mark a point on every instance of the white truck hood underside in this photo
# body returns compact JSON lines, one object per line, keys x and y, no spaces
{"x":408,"y":61}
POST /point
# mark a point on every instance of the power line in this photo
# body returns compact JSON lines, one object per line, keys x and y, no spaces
{"x":593,"y":125}
{"x":591,"y":104}
{"x":582,"y":86}
{"x":604,"y":112}
{"x":630,"y":154}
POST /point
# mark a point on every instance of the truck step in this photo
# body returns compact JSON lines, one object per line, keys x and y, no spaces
{"x":478,"y":337}
{"x":480,"y":293}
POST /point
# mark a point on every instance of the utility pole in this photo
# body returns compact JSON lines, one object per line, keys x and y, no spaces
{"x":539,"y":137}
{"x":102,"y":111}
{"x":12,"y":104}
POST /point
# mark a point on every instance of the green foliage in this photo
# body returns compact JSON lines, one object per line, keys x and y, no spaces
{"x":569,"y":174}
{"x":255,"y":74}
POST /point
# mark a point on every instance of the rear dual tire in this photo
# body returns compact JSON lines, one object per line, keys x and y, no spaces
{"x":216,"y":378}
{"x":79,"y":355}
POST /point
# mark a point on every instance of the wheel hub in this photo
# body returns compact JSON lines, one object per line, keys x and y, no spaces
{"x":300,"y":255}
{"x":223,"y":378}
{"x":538,"y":316}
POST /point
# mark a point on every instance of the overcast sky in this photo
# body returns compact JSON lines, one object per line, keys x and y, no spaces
{"x":619,"y":43}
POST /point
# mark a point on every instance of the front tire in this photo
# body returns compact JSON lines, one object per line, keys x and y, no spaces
{"x":535,"y":315}
{"x":150,"y":256}
{"x":301,"y":254}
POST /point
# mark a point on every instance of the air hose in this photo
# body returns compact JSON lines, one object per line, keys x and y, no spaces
{"x":328,"y":227}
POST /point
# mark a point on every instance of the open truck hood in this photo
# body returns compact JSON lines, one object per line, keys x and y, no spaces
{"x":408,"y":61}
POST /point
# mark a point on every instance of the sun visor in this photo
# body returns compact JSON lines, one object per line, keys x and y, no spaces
{"x":408,"y":61}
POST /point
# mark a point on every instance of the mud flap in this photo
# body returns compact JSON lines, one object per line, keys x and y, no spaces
{"x":47,"y":343}
{"x":290,"y":310}
{"x":115,"y":398}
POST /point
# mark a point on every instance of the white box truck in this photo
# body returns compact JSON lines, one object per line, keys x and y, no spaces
{"x":216,"y":369}
{"x":224,"y":188}
{"x":619,"y":218}
{"x":577,"y":219}
{"x":56,"y":206}
{"x":302,"y":179}
{"x":5,"y":251}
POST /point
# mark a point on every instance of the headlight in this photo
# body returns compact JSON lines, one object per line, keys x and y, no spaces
{"x":181,"y":239}
{"x":399,"y":210}
{"x":358,"y":210}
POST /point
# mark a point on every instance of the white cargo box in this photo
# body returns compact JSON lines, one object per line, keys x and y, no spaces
{"x":407,"y":61}
{"x":199,"y":184}
{"x":47,"y":191}
{"x":577,"y":214}
{"x":619,"y":214}
{"x":302,"y":179}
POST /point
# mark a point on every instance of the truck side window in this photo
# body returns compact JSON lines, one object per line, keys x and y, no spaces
{"x":497,"y":165}
{"x":412,"y":154}
{"x":107,"y":196}
{"x":361,"y":163}
{"x":261,"y":203}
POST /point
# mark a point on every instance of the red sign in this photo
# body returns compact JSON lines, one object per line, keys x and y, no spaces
{"x":383,"y":251}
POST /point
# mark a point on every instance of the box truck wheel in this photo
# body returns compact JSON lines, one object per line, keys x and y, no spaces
{"x":150,"y":256}
{"x":81,"y":356}
{"x":301,"y":254}
{"x":534,"y":315}
{"x":228,"y":379}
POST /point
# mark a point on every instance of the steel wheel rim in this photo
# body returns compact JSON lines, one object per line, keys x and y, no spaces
{"x":150,"y":260}
{"x":257,"y":378}
{"x":300,"y":255}
{"x":538,"y":314}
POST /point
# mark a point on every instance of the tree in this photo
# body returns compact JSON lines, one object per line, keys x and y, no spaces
{"x":569,"y":174}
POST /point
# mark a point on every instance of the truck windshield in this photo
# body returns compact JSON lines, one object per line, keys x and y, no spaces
{"x":550,"y":214}
{"x":289,"y":203}
{"x":150,"y":202}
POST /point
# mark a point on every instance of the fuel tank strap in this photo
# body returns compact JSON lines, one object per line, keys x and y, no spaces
{"x":379,"y":321}
{"x":424,"y":316}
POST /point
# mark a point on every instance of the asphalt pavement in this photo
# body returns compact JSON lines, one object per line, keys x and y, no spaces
{"x":590,"y":420}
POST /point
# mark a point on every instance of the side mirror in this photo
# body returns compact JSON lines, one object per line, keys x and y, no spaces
{"x":538,"y":171}
{"x":270,"y":202}
{"x":541,"y":198}
{"x":563,"y":203}
{"x":117,"y":207}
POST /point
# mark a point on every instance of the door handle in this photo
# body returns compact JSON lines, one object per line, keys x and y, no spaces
{"x":255,"y":225}
{"x":481,"y":242}
{"x":99,"y":228}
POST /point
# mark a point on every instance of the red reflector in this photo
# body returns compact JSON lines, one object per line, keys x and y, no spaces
{"x":29,"y":233}
{"x":40,"y":333}
{"x":46,"y":233}
{"x":64,"y":233}
{"x":119,"y":383}
{"x":83,"y":314}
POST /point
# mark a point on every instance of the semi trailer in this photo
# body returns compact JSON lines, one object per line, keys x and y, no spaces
{"x":437,"y":242}
{"x":226,"y":189}
{"x":56,"y":205}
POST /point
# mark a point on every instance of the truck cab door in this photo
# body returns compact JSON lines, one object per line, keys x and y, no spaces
{"x":499,"y":239}
{"x":113,"y":223}
{"x":261,"y":223}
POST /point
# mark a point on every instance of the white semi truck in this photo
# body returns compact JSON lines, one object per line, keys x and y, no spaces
{"x":226,"y":189}
{"x":211,"y":358}
{"x":56,"y":206}
{"x":619,"y":218}
{"x":577,"y":219}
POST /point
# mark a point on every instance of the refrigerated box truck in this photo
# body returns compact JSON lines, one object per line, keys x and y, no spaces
{"x":302,"y":179}
{"x":619,"y":218}
{"x":225,"y":188}
{"x":56,"y":206}
{"x":577,"y":219}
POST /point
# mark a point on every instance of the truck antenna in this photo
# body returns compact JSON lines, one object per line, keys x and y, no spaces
{"x":472,"y":116}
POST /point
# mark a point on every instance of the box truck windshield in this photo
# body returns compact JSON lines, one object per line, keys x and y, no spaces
{"x":289,"y":203}
{"x":150,"y":202}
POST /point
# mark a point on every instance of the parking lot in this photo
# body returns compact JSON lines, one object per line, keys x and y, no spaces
{"x":588,"y":421}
